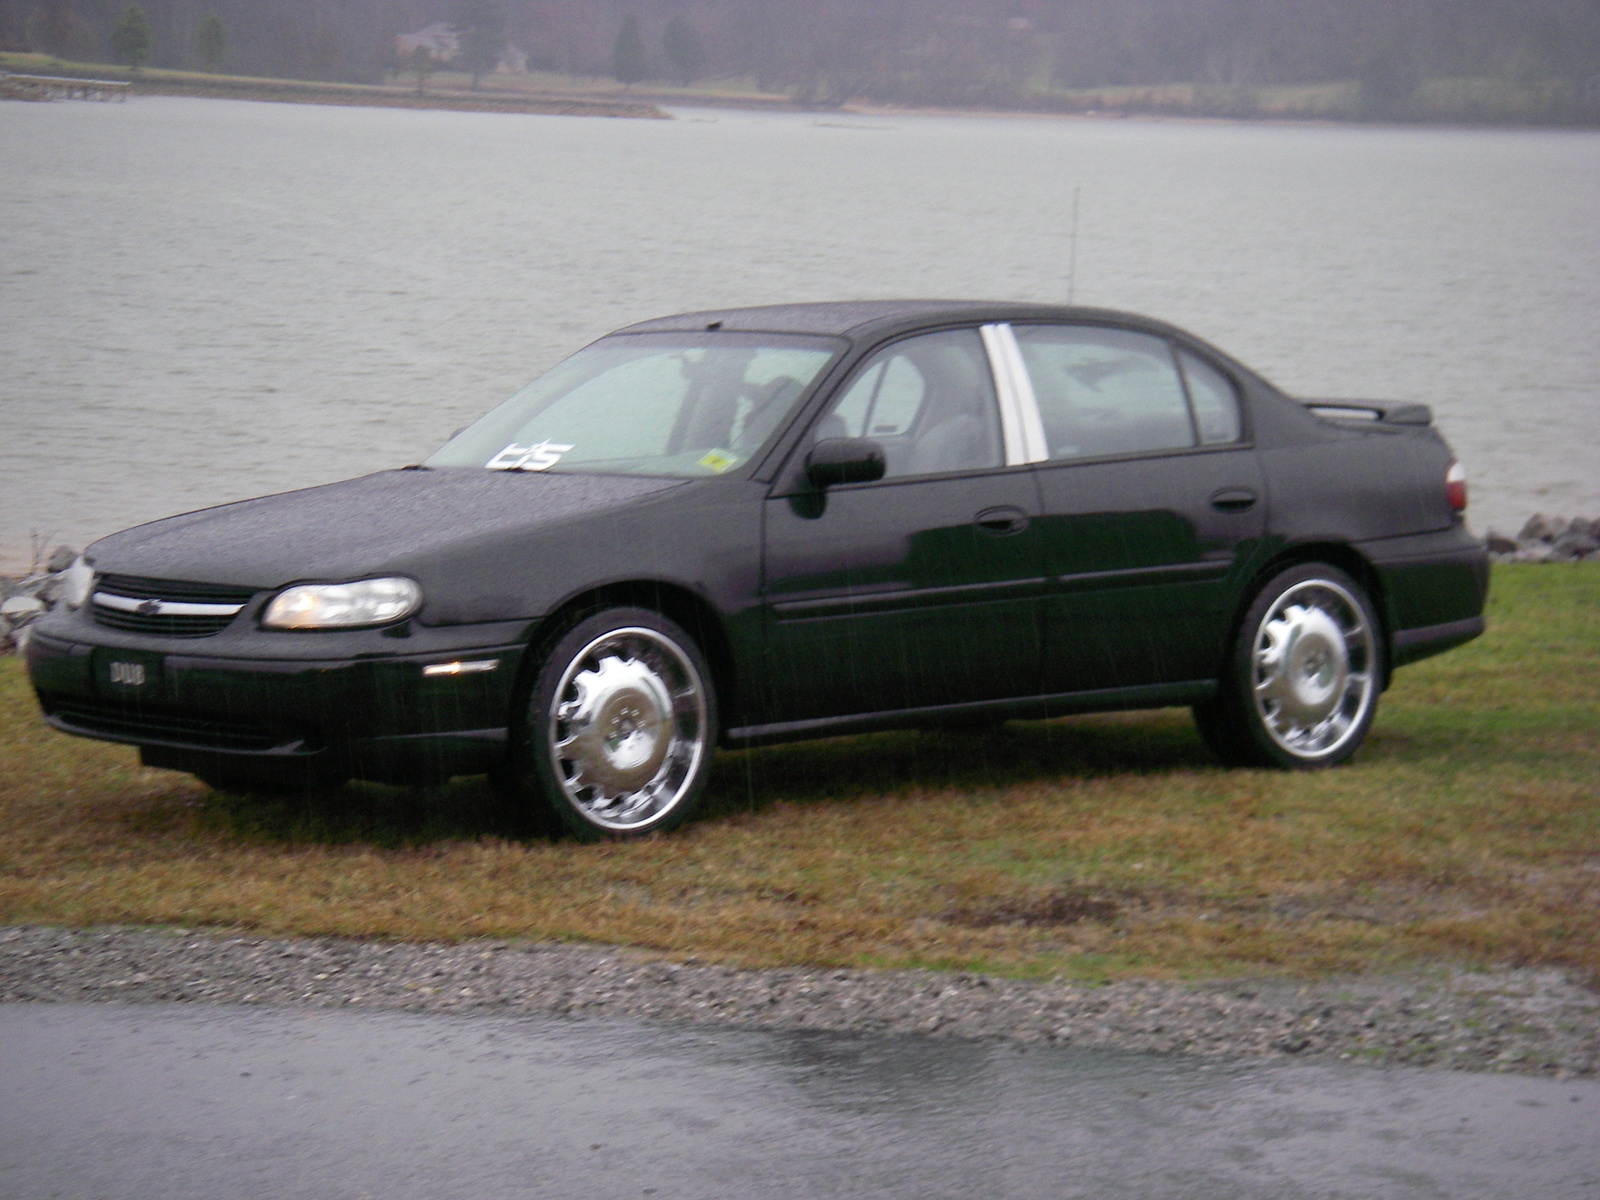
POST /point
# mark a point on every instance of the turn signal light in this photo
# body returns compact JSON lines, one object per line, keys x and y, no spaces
{"x":1455,"y":486}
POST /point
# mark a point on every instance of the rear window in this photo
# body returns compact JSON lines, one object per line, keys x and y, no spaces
{"x":1105,"y":391}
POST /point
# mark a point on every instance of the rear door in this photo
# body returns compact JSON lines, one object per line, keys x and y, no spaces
{"x":1152,"y":501}
{"x":923,"y":588}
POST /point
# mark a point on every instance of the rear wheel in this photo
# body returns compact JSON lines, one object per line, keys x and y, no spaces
{"x":618,"y":727}
{"x":1302,"y":683}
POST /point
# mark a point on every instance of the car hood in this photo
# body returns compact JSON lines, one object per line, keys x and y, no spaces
{"x":404,"y":522}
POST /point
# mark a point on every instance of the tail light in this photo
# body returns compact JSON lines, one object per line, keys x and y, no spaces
{"x":1455,"y":486}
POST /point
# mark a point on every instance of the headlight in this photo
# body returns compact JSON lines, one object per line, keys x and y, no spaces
{"x":77,"y":583}
{"x":343,"y":605}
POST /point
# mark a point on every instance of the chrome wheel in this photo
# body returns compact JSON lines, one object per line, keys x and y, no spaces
{"x":1314,"y":671}
{"x":628,"y":729}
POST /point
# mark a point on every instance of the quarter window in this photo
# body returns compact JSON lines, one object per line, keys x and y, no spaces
{"x":1105,"y":391}
{"x":928,"y":401}
{"x":1216,"y":404}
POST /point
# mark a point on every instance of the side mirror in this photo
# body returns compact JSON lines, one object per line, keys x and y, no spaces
{"x":844,"y":460}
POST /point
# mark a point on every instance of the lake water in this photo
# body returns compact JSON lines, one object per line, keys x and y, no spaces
{"x":204,"y":300}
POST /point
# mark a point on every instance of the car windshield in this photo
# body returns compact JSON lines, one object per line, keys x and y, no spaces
{"x":670,"y":404}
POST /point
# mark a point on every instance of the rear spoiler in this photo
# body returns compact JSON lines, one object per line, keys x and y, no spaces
{"x":1390,"y":412}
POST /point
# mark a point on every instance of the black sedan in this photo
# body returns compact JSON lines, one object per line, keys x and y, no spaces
{"x":727,"y":528}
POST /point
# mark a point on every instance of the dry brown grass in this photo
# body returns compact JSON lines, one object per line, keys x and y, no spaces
{"x":1467,"y":831}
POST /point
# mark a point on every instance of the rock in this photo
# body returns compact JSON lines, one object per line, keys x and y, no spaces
{"x":24,"y":600}
{"x":1541,"y":528}
{"x":1588,"y":528}
{"x":45,"y":587}
{"x":1499,"y":543}
{"x":1570,"y":547}
{"x":26,"y":607}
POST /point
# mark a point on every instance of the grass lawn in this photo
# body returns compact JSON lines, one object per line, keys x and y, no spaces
{"x":1466,"y":831}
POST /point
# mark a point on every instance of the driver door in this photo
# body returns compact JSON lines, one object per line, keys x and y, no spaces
{"x":923,"y":588}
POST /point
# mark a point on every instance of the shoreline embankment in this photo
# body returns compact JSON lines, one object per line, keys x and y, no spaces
{"x":1447,"y":103}
{"x":299,"y":91}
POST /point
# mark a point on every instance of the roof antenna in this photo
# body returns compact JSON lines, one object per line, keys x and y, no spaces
{"x":1072,"y":252}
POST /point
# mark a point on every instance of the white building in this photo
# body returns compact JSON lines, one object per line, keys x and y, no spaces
{"x":438,"y":39}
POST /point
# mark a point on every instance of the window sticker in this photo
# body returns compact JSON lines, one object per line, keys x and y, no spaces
{"x":719,"y":460}
{"x":540,"y":456}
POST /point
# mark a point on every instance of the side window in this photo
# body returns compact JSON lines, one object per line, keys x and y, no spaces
{"x":1216,"y":404}
{"x":884,"y":400}
{"x":928,"y":401}
{"x":1105,"y":391}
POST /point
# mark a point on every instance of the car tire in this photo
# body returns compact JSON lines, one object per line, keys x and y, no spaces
{"x":1302,"y":681}
{"x":617,"y":727}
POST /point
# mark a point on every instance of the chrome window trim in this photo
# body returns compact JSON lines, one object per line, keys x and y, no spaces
{"x":1019,"y":409}
{"x":164,"y":608}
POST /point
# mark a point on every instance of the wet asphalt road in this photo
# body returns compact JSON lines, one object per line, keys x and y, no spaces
{"x":177,"y":1101}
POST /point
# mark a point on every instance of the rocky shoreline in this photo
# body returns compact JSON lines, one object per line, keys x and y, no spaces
{"x":24,"y":599}
{"x":1544,"y":539}
{"x":1536,"y":1022}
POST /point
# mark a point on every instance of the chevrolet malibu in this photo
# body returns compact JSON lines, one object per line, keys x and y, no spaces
{"x":737,"y":527}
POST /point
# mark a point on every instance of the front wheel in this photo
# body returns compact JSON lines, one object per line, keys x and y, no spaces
{"x":619,"y":726}
{"x":1302,"y":683}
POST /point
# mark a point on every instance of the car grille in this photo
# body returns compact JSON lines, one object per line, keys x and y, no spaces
{"x":166,"y":606}
{"x":126,"y":723}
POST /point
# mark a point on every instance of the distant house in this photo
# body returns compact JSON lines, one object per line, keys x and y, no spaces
{"x":438,"y":41}
{"x":441,"y":43}
{"x":512,"y":62}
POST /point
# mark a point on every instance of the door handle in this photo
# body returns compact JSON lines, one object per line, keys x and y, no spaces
{"x":1001,"y":522}
{"x":1233,"y":499}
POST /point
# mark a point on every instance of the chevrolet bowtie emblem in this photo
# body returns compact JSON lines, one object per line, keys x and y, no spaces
{"x":149,"y":608}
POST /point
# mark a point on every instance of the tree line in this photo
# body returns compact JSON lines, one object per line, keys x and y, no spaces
{"x":1003,"y":53}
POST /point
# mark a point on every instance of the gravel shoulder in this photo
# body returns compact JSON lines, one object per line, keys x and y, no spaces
{"x":1524,"y":1021}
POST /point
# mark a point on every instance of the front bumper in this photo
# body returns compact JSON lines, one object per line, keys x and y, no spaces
{"x":370,"y":712}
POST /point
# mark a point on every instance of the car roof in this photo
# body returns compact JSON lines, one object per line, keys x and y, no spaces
{"x":856,"y":319}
